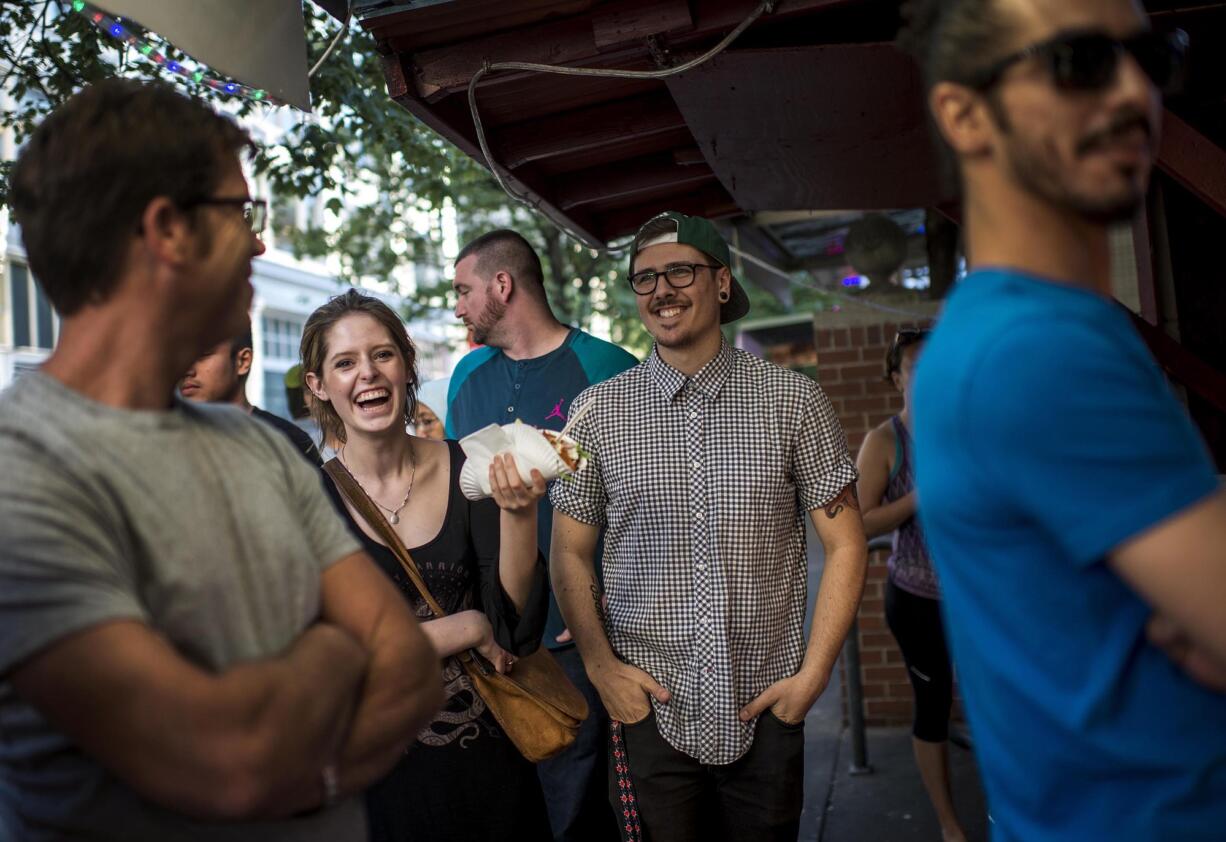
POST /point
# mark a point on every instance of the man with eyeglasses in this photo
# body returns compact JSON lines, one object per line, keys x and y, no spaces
{"x":192,"y":645}
{"x":704,"y":461}
{"x":1067,"y":498}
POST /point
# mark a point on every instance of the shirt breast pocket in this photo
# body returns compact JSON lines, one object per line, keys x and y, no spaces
{"x":759,"y":466}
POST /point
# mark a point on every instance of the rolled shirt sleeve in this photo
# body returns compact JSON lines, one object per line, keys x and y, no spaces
{"x":821,"y":464}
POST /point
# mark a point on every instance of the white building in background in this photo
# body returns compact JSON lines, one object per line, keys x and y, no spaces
{"x":287,"y":291}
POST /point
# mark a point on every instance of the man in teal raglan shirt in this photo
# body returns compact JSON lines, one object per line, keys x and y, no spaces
{"x":1067,"y":498}
{"x":531,"y":368}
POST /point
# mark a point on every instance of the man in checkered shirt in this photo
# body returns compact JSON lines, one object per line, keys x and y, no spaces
{"x":704,"y":459}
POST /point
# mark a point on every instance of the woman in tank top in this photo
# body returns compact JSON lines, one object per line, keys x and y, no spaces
{"x":912,"y":599}
{"x":462,"y":780}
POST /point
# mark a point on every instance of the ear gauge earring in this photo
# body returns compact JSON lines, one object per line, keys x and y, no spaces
{"x":724,"y":296}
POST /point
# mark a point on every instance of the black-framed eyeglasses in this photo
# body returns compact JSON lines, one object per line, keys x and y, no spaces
{"x":255,"y":211}
{"x":680,"y":276}
{"x":1089,"y":60}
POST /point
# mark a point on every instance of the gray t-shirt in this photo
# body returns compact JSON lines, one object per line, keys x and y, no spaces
{"x":199,"y":521}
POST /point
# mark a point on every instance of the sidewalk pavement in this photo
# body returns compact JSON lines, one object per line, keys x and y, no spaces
{"x":888,"y":805}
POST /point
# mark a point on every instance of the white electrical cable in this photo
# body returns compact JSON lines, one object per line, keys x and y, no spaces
{"x":336,"y":40}
{"x":764,"y":7}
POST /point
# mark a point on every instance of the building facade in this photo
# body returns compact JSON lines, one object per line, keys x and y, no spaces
{"x":287,"y":291}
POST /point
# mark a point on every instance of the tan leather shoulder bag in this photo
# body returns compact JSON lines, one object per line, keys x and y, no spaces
{"x":538,"y":707}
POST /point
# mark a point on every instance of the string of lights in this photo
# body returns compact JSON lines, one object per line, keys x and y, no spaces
{"x":194,"y":73}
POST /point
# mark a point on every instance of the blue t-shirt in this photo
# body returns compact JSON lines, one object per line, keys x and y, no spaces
{"x":1045,"y":437}
{"x":488,"y":387}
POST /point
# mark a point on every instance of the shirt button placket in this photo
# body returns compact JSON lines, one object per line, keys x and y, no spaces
{"x":701,"y":548}
{"x":516,"y":383}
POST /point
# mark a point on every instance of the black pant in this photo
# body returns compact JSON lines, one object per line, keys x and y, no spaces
{"x":916,"y":624}
{"x":757,"y":798}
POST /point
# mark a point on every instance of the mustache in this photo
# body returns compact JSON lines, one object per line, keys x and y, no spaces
{"x":672,"y":300}
{"x":1121,"y":124}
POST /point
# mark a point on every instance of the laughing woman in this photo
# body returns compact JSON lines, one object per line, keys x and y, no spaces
{"x":462,"y":779}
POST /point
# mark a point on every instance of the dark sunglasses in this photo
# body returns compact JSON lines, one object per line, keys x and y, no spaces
{"x":1088,"y":61}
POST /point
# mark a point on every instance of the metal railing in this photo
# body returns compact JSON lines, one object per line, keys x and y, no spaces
{"x":855,"y":688}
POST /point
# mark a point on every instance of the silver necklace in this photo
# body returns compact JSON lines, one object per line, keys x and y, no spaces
{"x":393,"y":514}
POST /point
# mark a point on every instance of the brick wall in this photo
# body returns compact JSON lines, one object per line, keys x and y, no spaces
{"x":851,"y":370}
{"x":847,"y":357}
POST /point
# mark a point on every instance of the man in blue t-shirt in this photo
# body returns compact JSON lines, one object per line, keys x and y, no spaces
{"x":531,"y":368}
{"x":1067,"y":499}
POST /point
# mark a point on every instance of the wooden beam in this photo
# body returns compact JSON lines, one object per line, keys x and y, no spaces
{"x":711,"y":201}
{"x":1183,"y":366}
{"x":585,"y":129}
{"x":534,"y":96}
{"x":642,"y":147}
{"x":571,"y":41}
{"x":626,"y":180}
{"x":1143,"y":255}
{"x":394,"y":71}
{"x":431,"y":25}
{"x":448,"y":69}
{"x":639,"y":19}
{"x":1193,"y":160}
{"x":688,"y":156}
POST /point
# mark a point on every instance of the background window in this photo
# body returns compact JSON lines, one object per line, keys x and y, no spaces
{"x":275,"y":400}
{"x":19,"y":299}
{"x":30,"y":329}
{"x":281,"y":338}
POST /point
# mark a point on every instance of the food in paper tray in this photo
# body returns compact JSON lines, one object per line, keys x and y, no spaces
{"x":568,"y":449}
{"x":549,"y":452}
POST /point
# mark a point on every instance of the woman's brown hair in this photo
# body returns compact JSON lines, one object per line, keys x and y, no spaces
{"x":314,"y":350}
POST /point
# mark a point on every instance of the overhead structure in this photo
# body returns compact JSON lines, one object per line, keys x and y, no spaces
{"x":740,"y":133}
{"x":809,"y":118}
{"x":262,"y":45}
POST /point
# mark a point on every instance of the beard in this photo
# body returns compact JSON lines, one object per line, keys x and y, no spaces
{"x":1035,"y":165}
{"x":485,"y":325}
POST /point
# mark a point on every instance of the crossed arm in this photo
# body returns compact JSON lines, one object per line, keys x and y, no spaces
{"x":1179,"y":568}
{"x":251,"y":741}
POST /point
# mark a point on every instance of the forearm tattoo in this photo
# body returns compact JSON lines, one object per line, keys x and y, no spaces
{"x":847,"y":499}
{"x":598,"y":602}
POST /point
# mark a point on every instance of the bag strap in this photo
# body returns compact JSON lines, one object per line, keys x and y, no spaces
{"x":366,"y":507}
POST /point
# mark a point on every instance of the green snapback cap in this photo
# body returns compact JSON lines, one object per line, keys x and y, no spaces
{"x":699,"y":233}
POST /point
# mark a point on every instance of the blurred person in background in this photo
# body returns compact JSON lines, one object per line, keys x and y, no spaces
{"x":1067,"y":499}
{"x":912,"y":595}
{"x":220,"y":376}
{"x":430,"y":421}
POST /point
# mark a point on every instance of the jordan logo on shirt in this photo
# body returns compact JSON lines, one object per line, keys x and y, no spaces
{"x":557,"y":411}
